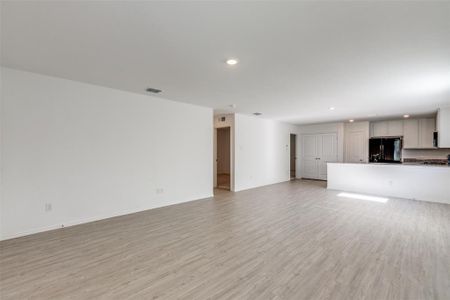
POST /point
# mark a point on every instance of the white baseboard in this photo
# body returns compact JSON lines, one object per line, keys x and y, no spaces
{"x":88,"y":220}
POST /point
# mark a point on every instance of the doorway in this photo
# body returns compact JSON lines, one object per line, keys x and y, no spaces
{"x":223,"y":158}
{"x":293,"y":156}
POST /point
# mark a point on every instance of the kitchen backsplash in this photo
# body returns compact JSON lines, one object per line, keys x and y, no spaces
{"x":426,"y":153}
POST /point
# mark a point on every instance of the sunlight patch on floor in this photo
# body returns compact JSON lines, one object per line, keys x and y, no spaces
{"x":363,"y":197}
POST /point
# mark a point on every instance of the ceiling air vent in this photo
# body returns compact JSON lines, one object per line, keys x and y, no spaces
{"x":154,"y":91}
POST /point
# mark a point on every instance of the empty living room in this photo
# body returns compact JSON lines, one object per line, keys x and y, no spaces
{"x":225,"y":150}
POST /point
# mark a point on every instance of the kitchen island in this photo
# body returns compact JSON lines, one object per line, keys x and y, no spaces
{"x":418,"y":182}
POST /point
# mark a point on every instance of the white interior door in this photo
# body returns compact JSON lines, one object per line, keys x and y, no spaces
{"x":327,"y":150}
{"x":356,"y":147}
{"x":309,"y":156}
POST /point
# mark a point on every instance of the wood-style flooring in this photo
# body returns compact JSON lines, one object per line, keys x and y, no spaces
{"x":294,"y":240}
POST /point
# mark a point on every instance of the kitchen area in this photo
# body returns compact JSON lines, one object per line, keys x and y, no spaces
{"x":405,"y":158}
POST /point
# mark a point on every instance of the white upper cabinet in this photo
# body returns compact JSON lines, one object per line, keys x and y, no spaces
{"x":387,"y":128}
{"x":395,"y":128}
{"x":411,"y":134}
{"x":379,"y":129}
{"x":426,"y":129}
{"x":418,"y":133}
{"x":443,"y":125}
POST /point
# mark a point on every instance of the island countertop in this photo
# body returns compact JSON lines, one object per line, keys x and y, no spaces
{"x":410,"y":181}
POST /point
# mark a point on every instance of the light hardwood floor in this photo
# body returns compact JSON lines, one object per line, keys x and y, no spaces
{"x":293,"y":240}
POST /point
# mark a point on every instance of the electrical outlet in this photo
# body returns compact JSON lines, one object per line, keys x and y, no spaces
{"x":159,"y":190}
{"x":48,"y":207}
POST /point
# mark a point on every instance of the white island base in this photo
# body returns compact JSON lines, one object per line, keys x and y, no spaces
{"x":417,"y":182}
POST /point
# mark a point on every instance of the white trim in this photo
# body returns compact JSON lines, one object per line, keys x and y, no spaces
{"x":91,"y":219}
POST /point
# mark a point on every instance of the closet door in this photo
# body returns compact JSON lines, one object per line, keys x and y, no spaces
{"x":327,"y":150}
{"x":309,"y":156}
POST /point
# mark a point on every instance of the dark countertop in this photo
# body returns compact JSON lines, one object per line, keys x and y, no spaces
{"x":407,"y":164}
{"x":424,"y":164}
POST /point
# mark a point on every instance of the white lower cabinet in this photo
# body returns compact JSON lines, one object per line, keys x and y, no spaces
{"x":317,"y":151}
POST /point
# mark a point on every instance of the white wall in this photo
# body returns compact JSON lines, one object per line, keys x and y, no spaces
{"x":95,"y":152}
{"x":261,"y":151}
{"x":224,"y":120}
{"x":2,"y":119}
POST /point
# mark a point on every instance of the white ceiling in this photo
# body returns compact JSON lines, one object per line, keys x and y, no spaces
{"x":297,"y":59}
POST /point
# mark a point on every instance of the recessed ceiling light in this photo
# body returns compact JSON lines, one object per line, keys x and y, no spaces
{"x":257,"y":113}
{"x":232,"y":61}
{"x":351,"y":121}
{"x":152,"y":90}
{"x":332,"y":108}
{"x":405,"y":116}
